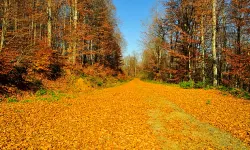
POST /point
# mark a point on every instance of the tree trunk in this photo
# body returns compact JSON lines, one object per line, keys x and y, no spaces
{"x":224,"y":44}
{"x":16,"y":16}
{"x":75,"y":28}
{"x":135,"y":66}
{"x":31,"y":29}
{"x":189,"y":64}
{"x":49,"y":36}
{"x":40,"y":31}
{"x":171,"y":61}
{"x":4,"y":25}
{"x":34,"y":42}
{"x":64,"y":31}
{"x":215,"y":82}
{"x":15,"y":28}
{"x":91,"y":52}
{"x":203,"y":50}
{"x":34,"y":23}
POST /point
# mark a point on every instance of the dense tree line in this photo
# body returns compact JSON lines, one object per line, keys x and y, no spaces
{"x":205,"y":41}
{"x":41,"y":36}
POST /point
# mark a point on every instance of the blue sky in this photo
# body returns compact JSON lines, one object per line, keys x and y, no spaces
{"x":132,"y":13}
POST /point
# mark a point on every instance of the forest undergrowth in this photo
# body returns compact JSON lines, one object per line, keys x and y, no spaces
{"x":38,"y":87}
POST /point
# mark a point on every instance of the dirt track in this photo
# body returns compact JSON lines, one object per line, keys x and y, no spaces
{"x":136,"y":115}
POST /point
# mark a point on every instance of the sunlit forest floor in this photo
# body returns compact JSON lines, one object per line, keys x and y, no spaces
{"x":136,"y":115}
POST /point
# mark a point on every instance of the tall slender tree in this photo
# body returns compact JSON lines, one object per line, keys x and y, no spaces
{"x":49,"y":24}
{"x":214,"y":27}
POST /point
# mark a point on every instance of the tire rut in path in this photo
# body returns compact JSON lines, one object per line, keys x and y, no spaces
{"x":178,"y":130}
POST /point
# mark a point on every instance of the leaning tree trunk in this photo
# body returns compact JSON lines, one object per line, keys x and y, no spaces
{"x":215,"y":82}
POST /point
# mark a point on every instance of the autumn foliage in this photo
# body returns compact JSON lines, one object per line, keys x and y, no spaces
{"x":42,"y":38}
{"x":182,"y":43}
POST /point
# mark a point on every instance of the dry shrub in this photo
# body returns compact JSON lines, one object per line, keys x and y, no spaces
{"x":99,"y":71}
{"x":101,"y":76}
{"x":7,"y":61}
{"x":122,"y":77}
{"x":47,"y":62}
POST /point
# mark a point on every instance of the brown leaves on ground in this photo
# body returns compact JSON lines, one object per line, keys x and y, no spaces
{"x":104,"y":119}
{"x":124,"y":117}
{"x":223,"y":111}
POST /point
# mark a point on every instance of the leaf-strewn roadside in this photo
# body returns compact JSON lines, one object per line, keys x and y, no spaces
{"x":223,"y":111}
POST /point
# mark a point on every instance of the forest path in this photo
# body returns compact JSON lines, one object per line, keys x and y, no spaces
{"x":136,"y":115}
